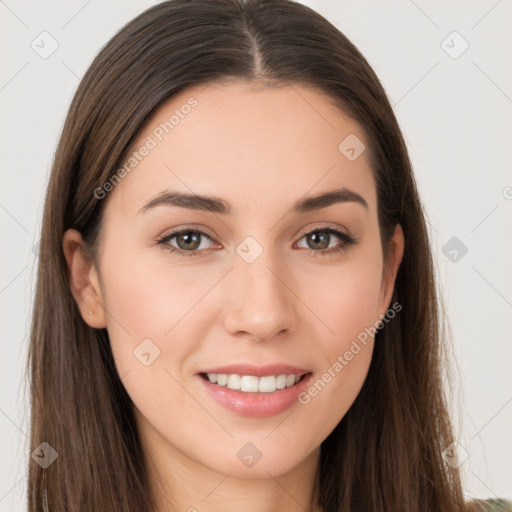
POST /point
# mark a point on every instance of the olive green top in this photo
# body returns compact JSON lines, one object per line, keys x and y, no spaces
{"x":493,"y":505}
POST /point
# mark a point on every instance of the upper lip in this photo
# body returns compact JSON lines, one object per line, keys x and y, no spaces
{"x":257,"y":371}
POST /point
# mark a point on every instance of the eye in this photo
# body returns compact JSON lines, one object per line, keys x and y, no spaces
{"x":319,"y":241}
{"x":188,"y":241}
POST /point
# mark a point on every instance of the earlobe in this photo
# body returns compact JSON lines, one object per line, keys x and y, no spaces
{"x":83,"y":280}
{"x":390,"y":271}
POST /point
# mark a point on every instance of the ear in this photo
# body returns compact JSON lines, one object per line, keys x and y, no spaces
{"x":83,"y":280}
{"x":390,"y":270}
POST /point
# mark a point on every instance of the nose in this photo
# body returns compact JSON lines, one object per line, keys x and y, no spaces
{"x":261,"y":302}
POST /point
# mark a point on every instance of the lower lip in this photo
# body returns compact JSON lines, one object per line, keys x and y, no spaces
{"x":256,"y":405}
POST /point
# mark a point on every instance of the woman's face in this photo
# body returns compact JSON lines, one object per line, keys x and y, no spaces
{"x":266,"y":283}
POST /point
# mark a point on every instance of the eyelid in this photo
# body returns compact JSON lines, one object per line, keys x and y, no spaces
{"x":323,"y":226}
{"x":168,"y":234}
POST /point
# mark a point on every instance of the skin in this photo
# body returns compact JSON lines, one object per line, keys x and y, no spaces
{"x":260,"y":149}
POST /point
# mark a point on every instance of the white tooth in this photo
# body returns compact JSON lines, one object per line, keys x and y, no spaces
{"x":234,"y":381}
{"x":267,"y":384}
{"x":281,"y":381}
{"x":253,"y":384}
{"x":249,"y":383}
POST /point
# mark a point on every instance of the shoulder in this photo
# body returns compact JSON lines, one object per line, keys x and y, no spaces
{"x":498,"y":505}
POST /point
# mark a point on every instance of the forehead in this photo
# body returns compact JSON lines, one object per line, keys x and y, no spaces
{"x":248,"y":144}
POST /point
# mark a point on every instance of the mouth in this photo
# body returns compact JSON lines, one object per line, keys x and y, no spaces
{"x":252,"y":396}
{"x":254,"y":384}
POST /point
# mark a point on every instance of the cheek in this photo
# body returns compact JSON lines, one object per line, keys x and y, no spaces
{"x":150,"y":318}
{"x":344,"y":296}
{"x":158,"y":311}
{"x":149,"y":294}
{"x":346,"y":301}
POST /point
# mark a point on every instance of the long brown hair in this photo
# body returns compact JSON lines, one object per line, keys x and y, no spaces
{"x":386,"y":453}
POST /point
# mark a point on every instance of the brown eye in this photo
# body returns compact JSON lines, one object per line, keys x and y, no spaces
{"x":320,"y":240}
{"x":189,"y":242}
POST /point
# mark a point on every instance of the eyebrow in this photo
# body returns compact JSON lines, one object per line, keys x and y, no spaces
{"x":217,"y":205}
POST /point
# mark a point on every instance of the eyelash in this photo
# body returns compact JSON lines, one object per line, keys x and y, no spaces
{"x":347,"y":241}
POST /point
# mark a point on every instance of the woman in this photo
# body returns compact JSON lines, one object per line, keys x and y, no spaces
{"x":236,"y":305}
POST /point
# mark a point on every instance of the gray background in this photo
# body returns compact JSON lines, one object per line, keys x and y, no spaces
{"x":454,"y":108}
